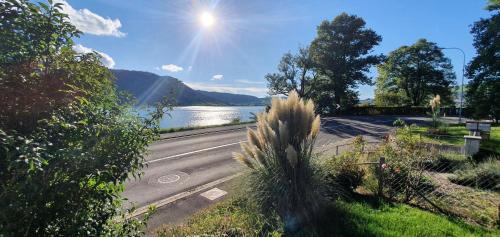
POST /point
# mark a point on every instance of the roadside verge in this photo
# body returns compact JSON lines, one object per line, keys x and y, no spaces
{"x":203,"y":131}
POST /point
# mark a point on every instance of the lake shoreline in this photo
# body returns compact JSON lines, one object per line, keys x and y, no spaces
{"x":190,"y":117}
{"x":189,"y":128}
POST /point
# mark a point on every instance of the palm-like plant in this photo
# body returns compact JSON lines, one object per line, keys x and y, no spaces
{"x":279,"y":153}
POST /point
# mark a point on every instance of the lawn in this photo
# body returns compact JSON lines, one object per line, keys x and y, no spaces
{"x":364,"y":217}
{"x":455,"y":135}
{"x":493,"y":144}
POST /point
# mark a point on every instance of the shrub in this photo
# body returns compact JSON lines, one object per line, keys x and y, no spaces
{"x":485,"y":175}
{"x":343,"y":173}
{"x":406,"y":161}
{"x":399,"y":123}
{"x":68,"y":141}
{"x":235,"y":120}
{"x":279,"y":154}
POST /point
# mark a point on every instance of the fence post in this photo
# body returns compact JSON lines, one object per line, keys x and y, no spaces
{"x":337,"y":150}
{"x":380,"y":169}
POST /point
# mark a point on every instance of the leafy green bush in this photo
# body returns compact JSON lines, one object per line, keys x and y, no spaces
{"x":399,"y":123}
{"x":485,"y":175}
{"x":235,"y":120}
{"x":343,"y":172}
{"x":406,"y":160}
{"x":279,"y":154}
{"x":68,"y":141}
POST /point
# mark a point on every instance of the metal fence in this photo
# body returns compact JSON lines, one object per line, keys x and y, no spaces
{"x":369,"y":146}
{"x":451,"y":184}
{"x":456,"y":187}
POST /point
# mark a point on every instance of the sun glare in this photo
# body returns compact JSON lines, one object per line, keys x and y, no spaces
{"x":207,"y":19}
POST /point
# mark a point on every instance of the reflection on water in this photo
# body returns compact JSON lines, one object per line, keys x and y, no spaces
{"x":208,"y":115}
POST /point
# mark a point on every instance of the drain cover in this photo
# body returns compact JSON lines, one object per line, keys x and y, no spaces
{"x":213,"y":194}
{"x":170,"y":178}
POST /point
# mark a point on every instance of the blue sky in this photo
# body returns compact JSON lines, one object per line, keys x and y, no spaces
{"x":248,"y":38}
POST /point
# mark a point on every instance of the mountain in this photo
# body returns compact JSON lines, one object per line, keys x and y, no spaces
{"x":233,"y":99}
{"x":368,"y":101}
{"x":150,"y":88}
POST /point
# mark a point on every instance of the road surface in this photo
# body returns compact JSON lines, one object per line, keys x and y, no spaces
{"x":180,"y":162}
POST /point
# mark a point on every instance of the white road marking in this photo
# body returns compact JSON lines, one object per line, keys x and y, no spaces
{"x":213,"y":194}
{"x":192,"y":152}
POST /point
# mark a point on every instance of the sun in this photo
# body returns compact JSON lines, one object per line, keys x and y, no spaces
{"x":207,"y":19}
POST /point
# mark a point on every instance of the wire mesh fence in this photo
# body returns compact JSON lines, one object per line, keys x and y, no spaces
{"x":447,"y":182}
{"x":454,"y":186}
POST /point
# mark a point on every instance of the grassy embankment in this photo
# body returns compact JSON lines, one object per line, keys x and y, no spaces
{"x":363,"y":217}
{"x":180,"y":129}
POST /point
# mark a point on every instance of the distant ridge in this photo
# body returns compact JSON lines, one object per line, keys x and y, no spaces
{"x":150,"y":88}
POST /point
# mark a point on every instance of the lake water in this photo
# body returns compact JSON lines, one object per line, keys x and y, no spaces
{"x":191,"y":116}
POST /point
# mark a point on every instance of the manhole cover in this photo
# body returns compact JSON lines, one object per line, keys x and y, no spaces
{"x":170,"y":178}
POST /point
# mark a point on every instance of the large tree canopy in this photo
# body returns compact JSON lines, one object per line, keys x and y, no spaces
{"x":483,"y":94}
{"x":340,"y":54}
{"x":295,"y":73}
{"x":411,"y":75}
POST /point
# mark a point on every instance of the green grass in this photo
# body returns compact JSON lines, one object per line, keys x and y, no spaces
{"x":180,"y":129}
{"x":233,"y":217}
{"x":493,"y":144}
{"x":449,"y":162}
{"x":455,"y":137}
{"x":485,"y":175}
{"x":359,"y":218}
{"x":365,"y":219}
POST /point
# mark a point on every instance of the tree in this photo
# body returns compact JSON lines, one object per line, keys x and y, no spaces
{"x":414,"y":74}
{"x":340,"y":54}
{"x":31,"y":37}
{"x":493,"y":5}
{"x":295,"y":73}
{"x":68,"y":140}
{"x":483,"y":94}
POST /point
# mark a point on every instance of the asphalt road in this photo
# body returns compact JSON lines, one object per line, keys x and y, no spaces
{"x":183,"y":161}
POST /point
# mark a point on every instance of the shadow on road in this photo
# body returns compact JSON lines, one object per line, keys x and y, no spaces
{"x":346,"y":127}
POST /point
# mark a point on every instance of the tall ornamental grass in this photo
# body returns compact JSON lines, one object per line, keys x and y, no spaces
{"x":435,"y":104}
{"x":279,"y":152}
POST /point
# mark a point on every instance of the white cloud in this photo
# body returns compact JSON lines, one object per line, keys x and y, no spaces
{"x":255,"y":91}
{"x":171,"y":68}
{"x":106,"y":60}
{"x":217,"y":77}
{"x":91,"y":23}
